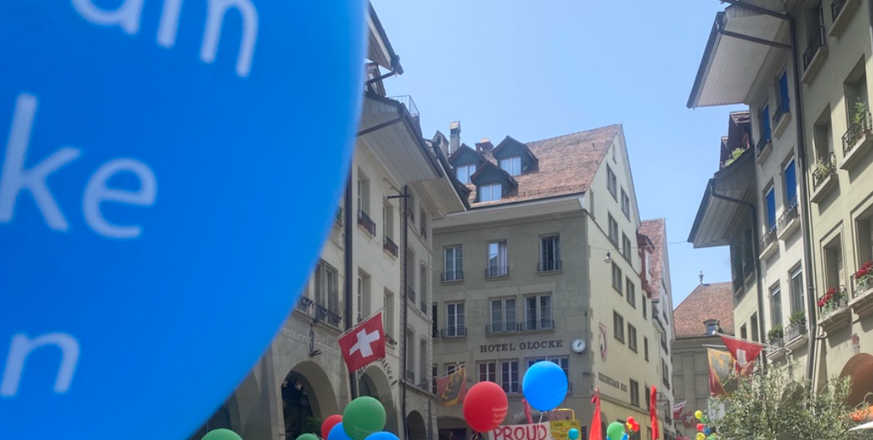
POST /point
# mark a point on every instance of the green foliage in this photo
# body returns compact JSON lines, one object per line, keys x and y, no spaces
{"x":860,"y":109}
{"x":797,"y":317}
{"x":734,"y":156}
{"x":775,"y":332}
{"x":772,"y":405}
{"x":312,"y":425}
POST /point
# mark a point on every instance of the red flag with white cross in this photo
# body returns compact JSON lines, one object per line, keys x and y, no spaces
{"x":744,"y":353}
{"x":364,"y":343}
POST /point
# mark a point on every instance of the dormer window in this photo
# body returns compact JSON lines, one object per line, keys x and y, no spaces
{"x":464,"y":173}
{"x":711,"y":326}
{"x":511,"y":165}
{"x":490,"y":193}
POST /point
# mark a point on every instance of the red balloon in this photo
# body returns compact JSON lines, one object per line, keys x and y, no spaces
{"x":636,"y":427}
{"x":700,"y":427}
{"x":329,"y":423}
{"x":631,"y":420}
{"x":485,"y":406}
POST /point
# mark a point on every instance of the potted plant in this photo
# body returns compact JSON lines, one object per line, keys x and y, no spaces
{"x":863,"y":277}
{"x":775,"y":332}
{"x":860,"y":109}
{"x":830,"y":301}
{"x":797,"y":317}
{"x":734,"y":156}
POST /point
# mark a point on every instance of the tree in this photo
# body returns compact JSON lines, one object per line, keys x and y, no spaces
{"x":772,"y":405}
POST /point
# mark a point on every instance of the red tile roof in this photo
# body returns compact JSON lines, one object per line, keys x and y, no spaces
{"x":707,"y":301}
{"x":566,"y":165}
{"x":656,"y":230}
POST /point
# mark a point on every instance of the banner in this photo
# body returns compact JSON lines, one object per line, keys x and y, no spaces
{"x":561,"y":428}
{"x":452,"y":388}
{"x":743,"y":352}
{"x":721,"y":370}
{"x":677,"y":410}
{"x":536,"y":431}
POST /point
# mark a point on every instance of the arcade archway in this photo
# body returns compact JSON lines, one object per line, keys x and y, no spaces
{"x":452,"y":428}
{"x":374,"y":383}
{"x":415,"y":426}
{"x":307,"y":399}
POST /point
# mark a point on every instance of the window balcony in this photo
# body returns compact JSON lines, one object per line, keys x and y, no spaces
{"x":410,"y":294}
{"x":496,"y":271}
{"x":795,"y":334}
{"x":501,"y":327}
{"x":763,"y":147}
{"x":319,"y":312}
{"x":452,"y":276}
{"x":857,"y":140}
{"x":789,"y":221}
{"x":453,"y":332}
{"x":390,"y":341}
{"x":814,"y":55}
{"x":833,"y":310}
{"x":781,"y":117}
{"x":842,"y":12}
{"x":536,"y":325}
{"x":549,"y":266}
{"x":367,"y":223}
{"x":768,"y":243}
{"x":389,"y":246}
{"x":411,"y":108}
{"x":862,"y":292}
{"x":824,"y":178}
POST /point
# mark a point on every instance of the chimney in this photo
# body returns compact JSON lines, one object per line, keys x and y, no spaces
{"x":454,"y":136}
{"x":484,"y":145}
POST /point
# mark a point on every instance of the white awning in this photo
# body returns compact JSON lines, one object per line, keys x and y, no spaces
{"x":718,"y":219}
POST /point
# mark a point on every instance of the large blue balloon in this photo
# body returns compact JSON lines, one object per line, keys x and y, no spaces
{"x":338,"y":433}
{"x":168,"y":173}
{"x":544,"y":385}
{"x":382,"y":435}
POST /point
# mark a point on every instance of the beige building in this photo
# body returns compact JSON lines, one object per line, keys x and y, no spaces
{"x":377,"y":258}
{"x":825,"y":49}
{"x":546,"y":265}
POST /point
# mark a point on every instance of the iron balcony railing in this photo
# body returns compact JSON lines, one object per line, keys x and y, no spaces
{"x":768,"y":238}
{"x":496,"y":271}
{"x":452,"y":275}
{"x":410,"y":294}
{"x":453,"y":332}
{"x":836,"y":7}
{"x":860,"y":128}
{"x":549,"y":266}
{"x":837,"y":300}
{"x":795,"y":330}
{"x":304,"y":304}
{"x":389,"y":245}
{"x":540,"y":324}
{"x":410,"y":376}
{"x":501,"y":327}
{"x":762,"y":143}
{"x":782,"y":108}
{"x":390,"y":341}
{"x":861,"y":285}
{"x":411,"y":108}
{"x":789,"y":215}
{"x":319,"y":311}
{"x":368,"y":223}
{"x":824,"y":168}
{"x":812,"y":48}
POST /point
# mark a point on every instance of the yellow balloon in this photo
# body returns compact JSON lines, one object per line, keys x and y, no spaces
{"x":700,"y":436}
{"x":698,"y":415}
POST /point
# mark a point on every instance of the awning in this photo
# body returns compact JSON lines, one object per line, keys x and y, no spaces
{"x":718,"y":219}
{"x":379,"y":49}
{"x":728,"y":73}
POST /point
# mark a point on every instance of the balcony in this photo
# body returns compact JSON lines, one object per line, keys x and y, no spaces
{"x":452,"y":276}
{"x":319,"y":312}
{"x":795,"y":334}
{"x":789,"y":221}
{"x":857,"y":140}
{"x":496,"y":271}
{"x":781,"y":117}
{"x":768,"y":244}
{"x":409,"y":376}
{"x":833,"y":310}
{"x":763,"y":147}
{"x":389,"y":246}
{"x":367,"y":223}
{"x":501,"y":327}
{"x":824,"y":178}
{"x":411,"y":108}
{"x":862,"y":291}
{"x":537,"y":325}
{"x":390,"y":341}
{"x":777,"y":341}
{"x":410,"y":294}
{"x":814,"y":55}
{"x":453,"y":332}
{"x":842,"y":12}
{"x":549,"y":266}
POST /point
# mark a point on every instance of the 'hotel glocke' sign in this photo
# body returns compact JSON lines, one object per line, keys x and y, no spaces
{"x":521,"y":346}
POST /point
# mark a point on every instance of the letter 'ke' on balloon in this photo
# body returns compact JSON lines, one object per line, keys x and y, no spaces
{"x":156,"y":216}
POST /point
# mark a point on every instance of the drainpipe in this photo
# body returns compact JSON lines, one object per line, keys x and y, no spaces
{"x":759,"y":281}
{"x":405,"y":272}
{"x":347,"y":249}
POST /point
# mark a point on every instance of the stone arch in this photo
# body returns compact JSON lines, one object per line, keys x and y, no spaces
{"x":452,"y":428}
{"x":859,"y":368}
{"x":374,"y":383}
{"x":307,"y":398}
{"x":416,"y":429}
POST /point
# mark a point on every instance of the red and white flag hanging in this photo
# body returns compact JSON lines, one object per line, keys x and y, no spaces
{"x":364,"y":343}
{"x":744,"y":353}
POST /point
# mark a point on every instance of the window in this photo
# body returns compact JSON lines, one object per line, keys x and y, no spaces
{"x":797,"y":291}
{"x":613,"y":230}
{"x":648,"y":392}
{"x":464,"y":173}
{"x":611,"y":183}
{"x":634,"y":393}
{"x":455,"y":320}
{"x":424,"y":280}
{"x":625,"y":204}
{"x":410,"y":355}
{"x":490,"y":193}
{"x":550,"y":253}
{"x":743,"y":333}
{"x":755,"y":334}
{"x":538,"y":312}
{"x":616,"y":278}
{"x":625,"y":246}
{"x":857,"y":103}
{"x":782,"y":103}
{"x":454,"y":269}
{"x":363,"y":295}
{"x":632,"y":337}
{"x":502,"y":315}
{"x":833,"y":259}
{"x":764,"y":123}
{"x":497,"y":264}
{"x":711,"y":326}
{"x":327,"y":287}
{"x":631,"y":293}
{"x":388,"y":316}
{"x":646,"y":347}
{"x":823,"y":140}
{"x":422,"y":362}
{"x":770,"y":202}
{"x":487,"y":372}
{"x":434,"y":320}
{"x":790,"y":176}
{"x":561,"y":361}
{"x":363,"y":192}
{"x":423,"y":227}
{"x":618,"y":326}
{"x":665,"y":373}
{"x":509,"y":376}
{"x":511,"y":165}
{"x":775,"y":306}
{"x":645,"y":307}
{"x":434,"y":372}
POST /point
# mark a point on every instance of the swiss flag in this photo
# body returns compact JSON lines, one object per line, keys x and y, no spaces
{"x":744,"y":353}
{"x":364,"y":343}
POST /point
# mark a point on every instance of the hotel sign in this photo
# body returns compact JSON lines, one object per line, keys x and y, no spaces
{"x":521,"y":346}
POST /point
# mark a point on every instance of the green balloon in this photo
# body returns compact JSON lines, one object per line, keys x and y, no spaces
{"x":615,"y":431}
{"x":364,"y":416}
{"x":307,"y":436}
{"x":221,"y":434}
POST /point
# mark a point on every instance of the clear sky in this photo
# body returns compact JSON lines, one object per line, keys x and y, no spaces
{"x":537,"y":69}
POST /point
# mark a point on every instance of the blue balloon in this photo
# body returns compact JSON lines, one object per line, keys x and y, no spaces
{"x":168,"y":174}
{"x":382,"y":435}
{"x":573,"y":434}
{"x":339,"y":433}
{"x":544,"y":385}
{"x":707,"y":431}
{"x":624,"y":437}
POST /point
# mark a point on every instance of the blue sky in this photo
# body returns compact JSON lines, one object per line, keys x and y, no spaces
{"x":538,"y":69}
